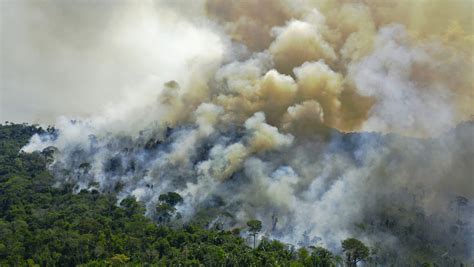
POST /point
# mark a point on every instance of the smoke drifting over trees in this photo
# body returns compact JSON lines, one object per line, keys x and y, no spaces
{"x":338,"y":118}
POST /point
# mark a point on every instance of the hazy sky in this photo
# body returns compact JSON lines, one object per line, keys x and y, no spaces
{"x":68,"y":58}
{"x":75,"y":57}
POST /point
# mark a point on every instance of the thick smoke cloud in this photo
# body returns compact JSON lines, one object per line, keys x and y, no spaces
{"x":245,"y":108}
{"x":406,"y":102}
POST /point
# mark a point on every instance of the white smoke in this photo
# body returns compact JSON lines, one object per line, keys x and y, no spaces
{"x":74,"y":58}
{"x":256,"y":132}
{"x":404,"y":104}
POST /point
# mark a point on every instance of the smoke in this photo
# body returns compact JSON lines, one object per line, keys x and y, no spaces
{"x":74,"y":58}
{"x":262,"y":109}
{"x":404,"y":104}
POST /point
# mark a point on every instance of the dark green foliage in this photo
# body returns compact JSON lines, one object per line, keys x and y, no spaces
{"x":165,"y":210}
{"x":317,"y":257}
{"x":355,"y":251}
{"x":255,"y":226}
{"x":44,"y":225}
{"x":322,"y":257}
{"x":171,"y":198}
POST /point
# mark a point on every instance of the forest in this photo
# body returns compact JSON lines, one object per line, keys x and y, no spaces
{"x":44,"y":224}
{"x":237,"y":133}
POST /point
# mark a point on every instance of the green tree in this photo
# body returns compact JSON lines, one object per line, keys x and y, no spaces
{"x":171,"y":198}
{"x":255,"y":226}
{"x":132,"y":206}
{"x":355,"y":251}
{"x":119,"y":260}
{"x":165,"y":209}
{"x":321,"y":257}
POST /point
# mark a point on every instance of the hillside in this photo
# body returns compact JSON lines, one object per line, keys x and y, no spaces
{"x":49,"y":224}
{"x":46,"y":225}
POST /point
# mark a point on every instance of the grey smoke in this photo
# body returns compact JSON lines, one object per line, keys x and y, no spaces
{"x":174,"y":104}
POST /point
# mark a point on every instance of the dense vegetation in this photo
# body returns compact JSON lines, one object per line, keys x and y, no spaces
{"x":46,"y":225}
{"x":43,"y":224}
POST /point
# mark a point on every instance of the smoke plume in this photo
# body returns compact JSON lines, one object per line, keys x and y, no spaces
{"x":323,"y":119}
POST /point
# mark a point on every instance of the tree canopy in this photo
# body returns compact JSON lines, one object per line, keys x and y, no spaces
{"x":42,"y":224}
{"x":355,"y":251}
{"x":255,"y":226}
{"x":45,"y":225}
